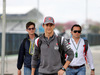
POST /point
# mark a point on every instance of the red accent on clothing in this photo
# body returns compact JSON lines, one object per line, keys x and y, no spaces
{"x":38,"y":42}
{"x":65,"y":55}
{"x":85,"y":54}
{"x":56,"y":43}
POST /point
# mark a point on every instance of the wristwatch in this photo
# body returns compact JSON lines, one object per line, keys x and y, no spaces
{"x":63,"y":69}
{"x":93,"y":69}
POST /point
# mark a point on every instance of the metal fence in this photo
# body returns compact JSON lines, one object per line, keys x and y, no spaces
{"x":94,"y":39}
{"x":13,"y":41}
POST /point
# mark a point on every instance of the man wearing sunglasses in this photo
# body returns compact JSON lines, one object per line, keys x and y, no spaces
{"x":50,"y":58}
{"x":77,"y":66}
{"x":26,"y":50}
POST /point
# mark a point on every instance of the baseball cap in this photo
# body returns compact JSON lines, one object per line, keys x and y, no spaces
{"x":49,"y":20}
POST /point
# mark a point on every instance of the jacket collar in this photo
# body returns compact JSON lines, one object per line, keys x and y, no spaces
{"x":51,"y":38}
{"x":35,"y":36}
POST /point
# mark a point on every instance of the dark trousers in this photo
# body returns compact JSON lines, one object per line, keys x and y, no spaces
{"x":47,"y":74}
{"x":36,"y":71}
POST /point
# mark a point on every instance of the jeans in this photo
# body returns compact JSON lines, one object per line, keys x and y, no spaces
{"x":79,"y":71}
{"x":47,"y":74}
{"x":27,"y":71}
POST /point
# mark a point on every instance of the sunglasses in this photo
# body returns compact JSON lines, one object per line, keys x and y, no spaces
{"x":75,"y":31}
{"x":31,"y":28}
{"x":49,"y":25}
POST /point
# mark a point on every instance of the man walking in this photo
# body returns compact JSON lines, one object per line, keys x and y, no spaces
{"x":48,"y":51}
{"x":81,"y":55}
{"x":26,"y":50}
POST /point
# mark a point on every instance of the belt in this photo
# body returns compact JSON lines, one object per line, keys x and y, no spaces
{"x":76,"y":67}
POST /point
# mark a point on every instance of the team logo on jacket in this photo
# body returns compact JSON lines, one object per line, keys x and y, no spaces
{"x":56,"y":47}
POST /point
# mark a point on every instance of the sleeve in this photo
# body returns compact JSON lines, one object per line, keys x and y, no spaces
{"x":67,"y":49}
{"x":34,"y":60}
{"x":21,"y":53}
{"x":90,"y":58}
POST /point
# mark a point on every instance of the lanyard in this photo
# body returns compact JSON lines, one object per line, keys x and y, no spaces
{"x":31,"y":49}
{"x":76,"y":53}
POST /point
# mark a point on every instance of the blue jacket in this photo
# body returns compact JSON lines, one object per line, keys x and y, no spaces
{"x":24,"y":55}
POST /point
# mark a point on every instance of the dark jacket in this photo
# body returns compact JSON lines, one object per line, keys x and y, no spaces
{"x":24,"y":56}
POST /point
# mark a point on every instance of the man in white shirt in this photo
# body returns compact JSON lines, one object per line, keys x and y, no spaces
{"x":77,"y":66}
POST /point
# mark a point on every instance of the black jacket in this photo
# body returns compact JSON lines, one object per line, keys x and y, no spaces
{"x":24,"y":56}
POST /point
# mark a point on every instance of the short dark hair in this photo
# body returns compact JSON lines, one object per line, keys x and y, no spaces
{"x":76,"y":25}
{"x":29,"y":24}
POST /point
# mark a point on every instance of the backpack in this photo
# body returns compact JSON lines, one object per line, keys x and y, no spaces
{"x":61,"y":50}
{"x":85,"y":48}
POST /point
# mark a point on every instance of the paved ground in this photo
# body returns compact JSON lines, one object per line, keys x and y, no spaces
{"x":10,"y":64}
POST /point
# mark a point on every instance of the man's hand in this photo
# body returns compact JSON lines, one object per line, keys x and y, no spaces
{"x":61,"y":72}
{"x":92,"y":73}
{"x":33,"y":71}
{"x":19,"y":72}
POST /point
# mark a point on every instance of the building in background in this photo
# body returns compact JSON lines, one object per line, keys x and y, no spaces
{"x":16,"y":23}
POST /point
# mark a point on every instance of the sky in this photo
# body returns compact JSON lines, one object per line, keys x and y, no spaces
{"x":61,"y":10}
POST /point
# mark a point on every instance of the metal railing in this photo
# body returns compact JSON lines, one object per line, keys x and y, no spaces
{"x":13,"y":41}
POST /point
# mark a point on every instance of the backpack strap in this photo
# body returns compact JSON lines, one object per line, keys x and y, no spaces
{"x":68,"y":40}
{"x":59,"y":43}
{"x":85,"y":49}
{"x":86,"y":46}
{"x":24,"y":42}
{"x":39,"y":43}
{"x":61,"y":50}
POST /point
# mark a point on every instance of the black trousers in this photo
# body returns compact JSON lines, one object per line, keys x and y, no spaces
{"x":48,"y":74}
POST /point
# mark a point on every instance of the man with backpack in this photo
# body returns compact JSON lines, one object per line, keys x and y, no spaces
{"x":82,"y":53}
{"x":47,"y":48}
{"x":26,"y":50}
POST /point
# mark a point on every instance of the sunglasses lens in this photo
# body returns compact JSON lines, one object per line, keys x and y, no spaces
{"x":46,"y":24}
{"x":31,"y":28}
{"x":75,"y":31}
{"x":79,"y":31}
{"x":49,"y":25}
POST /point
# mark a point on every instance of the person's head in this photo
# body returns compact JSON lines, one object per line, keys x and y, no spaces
{"x":48,"y":25}
{"x":76,"y":31}
{"x":30,"y":28}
